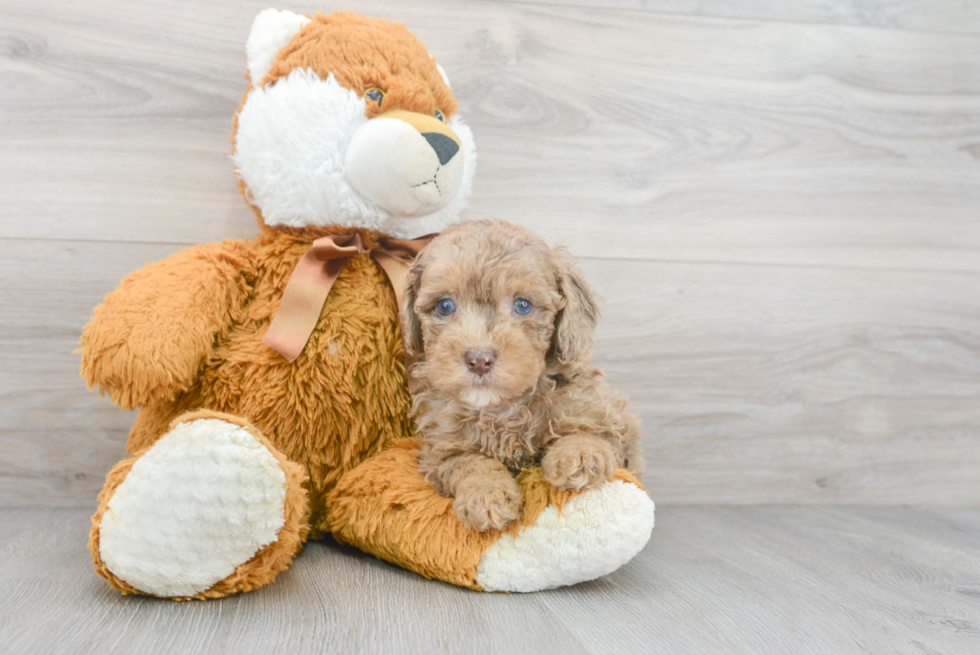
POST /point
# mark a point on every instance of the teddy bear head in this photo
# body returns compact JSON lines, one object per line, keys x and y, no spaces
{"x":349,"y":121}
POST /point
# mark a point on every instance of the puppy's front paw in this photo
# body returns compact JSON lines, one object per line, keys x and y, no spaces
{"x":489,"y":505}
{"x":579,"y":461}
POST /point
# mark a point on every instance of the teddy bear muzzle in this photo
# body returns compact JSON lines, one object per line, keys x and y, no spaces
{"x":405,"y":162}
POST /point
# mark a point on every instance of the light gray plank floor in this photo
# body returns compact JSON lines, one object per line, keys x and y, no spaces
{"x":712,"y":580}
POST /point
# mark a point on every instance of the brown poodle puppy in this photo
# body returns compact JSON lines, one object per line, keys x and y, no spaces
{"x":502,"y":326}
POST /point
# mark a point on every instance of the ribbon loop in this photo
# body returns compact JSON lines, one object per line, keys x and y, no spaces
{"x":314,"y":276}
{"x":339,"y":246}
{"x":406,"y":248}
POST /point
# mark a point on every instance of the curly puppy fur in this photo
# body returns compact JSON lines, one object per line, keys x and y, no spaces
{"x":503,"y":391}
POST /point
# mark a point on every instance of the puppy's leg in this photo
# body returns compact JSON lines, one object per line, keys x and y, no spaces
{"x":487,"y":495}
{"x":580,"y":461}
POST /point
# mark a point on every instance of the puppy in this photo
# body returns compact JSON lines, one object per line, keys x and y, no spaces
{"x":501,"y":325}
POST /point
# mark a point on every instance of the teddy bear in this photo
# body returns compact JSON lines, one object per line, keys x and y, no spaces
{"x":270,"y":374}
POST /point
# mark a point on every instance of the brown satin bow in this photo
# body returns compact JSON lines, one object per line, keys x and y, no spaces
{"x":314,"y":275}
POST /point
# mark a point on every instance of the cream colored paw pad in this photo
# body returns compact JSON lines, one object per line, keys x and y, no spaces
{"x":203,"y":500}
{"x":596,"y":532}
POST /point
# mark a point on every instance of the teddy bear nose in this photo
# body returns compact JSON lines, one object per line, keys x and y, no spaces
{"x":445,"y":147}
{"x":480,"y":361}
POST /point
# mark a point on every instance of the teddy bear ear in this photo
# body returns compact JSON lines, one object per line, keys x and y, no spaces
{"x":271,"y":30}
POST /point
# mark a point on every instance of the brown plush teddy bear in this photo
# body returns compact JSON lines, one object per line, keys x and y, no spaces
{"x":270,"y":373}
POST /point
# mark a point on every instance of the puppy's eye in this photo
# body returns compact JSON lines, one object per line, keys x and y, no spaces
{"x":374,"y":93}
{"x":446,"y":307}
{"x":522,"y":307}
{"x":441,"y":116}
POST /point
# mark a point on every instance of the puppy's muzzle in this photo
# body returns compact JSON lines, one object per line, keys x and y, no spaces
{"x":480,"y":362}
{"x":405,"y":162}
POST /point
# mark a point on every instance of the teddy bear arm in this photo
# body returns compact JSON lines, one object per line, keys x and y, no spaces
{"x":147,"y":341}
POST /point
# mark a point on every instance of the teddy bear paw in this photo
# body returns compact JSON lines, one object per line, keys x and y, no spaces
{"x":594,"y":534}
{"x":199,"y":503}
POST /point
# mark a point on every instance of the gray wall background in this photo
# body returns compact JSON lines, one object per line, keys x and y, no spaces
{"x":779,"y":203}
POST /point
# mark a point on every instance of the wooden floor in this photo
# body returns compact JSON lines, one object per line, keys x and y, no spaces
{"x":733,"y":580}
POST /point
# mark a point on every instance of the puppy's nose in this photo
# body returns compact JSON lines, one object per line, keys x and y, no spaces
{"x":445,"y":147}
{"x":480,"y":361}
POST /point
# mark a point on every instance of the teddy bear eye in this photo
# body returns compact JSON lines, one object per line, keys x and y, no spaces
{"x":522,"y":306}
{"x":446,"y":307}
{"x":441,"y":116}
{"x":374,"y":93}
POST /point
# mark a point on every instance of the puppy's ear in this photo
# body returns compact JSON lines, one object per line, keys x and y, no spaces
{"x":575,"y":322}
{"x":412,"y":328}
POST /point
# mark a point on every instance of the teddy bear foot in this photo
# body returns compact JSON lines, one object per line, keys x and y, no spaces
{"x":593,"y":534}
{"x":210,"y":509}
{"x":384,"y":507}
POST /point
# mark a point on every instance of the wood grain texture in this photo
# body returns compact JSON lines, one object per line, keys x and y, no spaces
{"x":756,"y":384}
{"x":783,"y":217}
{"x":949,"y":16}
{"x":688,"y":138}
{"x":735,"y":580}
